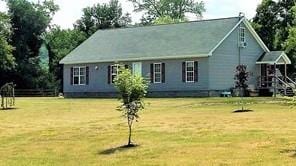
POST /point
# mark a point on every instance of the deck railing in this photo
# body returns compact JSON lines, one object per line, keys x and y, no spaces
{"x":276,"y":83}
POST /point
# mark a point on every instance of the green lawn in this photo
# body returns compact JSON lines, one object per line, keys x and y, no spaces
{"x":202,"y":131}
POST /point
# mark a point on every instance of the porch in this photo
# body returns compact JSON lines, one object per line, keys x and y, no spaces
{"x":273,"y":74}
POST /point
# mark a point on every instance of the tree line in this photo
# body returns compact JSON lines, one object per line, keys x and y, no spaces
{"x":31,"y":46}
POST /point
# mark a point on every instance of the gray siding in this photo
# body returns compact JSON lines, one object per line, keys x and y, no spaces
{"x":215,"y":73}
{"x":225,"y":59}
{"x":98,"y":78}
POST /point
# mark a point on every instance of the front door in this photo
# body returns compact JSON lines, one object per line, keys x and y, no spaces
{"x":137,"y":68}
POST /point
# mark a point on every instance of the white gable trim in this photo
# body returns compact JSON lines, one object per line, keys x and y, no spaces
{"x":283,"y":55}
{"x":250,"y":28}
{"x":256,"y":36}
{"x":228,"y":34}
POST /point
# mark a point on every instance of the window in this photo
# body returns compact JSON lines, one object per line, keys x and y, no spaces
{"x":79,"y":75}
{"x":114,"y":72}
{"x":157,"y":73}
{"x":190,"y":71}
{"x":242,"y":35}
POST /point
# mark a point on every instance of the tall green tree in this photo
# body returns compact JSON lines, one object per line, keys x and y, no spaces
{"x":285,"y":21}
{"x":102,"y":16}
{"x":29,"y":21}
{"x":265,"y":22}
{"x":7,"y":60}
{"x":275,"y":23}
{"x":290,"y":44}
{"x":175,"y":9}
{"x":167,"y":20}
{"x":59,"y":43}
{"x":290,"y":47}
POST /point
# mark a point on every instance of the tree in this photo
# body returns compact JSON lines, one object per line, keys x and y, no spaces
{"x":132,"y":89}
{"x":29,"y":21}
{"x":286,"y":20}
{"x":175,"y":9}
{"x":273,"y":22}
{"x":241,"y":79}
{"x":265,"y":22}
{"x":102,"y":16}
{"x":290,"y":45}
{"x":6,"y":57}
{"x":60,"y":42}
{"x":167,"y":20}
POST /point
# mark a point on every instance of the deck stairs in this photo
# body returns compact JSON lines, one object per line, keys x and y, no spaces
{"x":286,"y":86}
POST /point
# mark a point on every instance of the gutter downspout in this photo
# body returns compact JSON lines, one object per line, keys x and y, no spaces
{"x":241,"y":16}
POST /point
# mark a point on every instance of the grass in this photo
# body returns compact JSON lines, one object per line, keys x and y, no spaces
{"x":203,"y":131}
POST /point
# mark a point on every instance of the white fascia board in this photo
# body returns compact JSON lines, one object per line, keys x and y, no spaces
{"x":265,"y":62}
{"x":137,"y":59}
{"x":269,"y":63}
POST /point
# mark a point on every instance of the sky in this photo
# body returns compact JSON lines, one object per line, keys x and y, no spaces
{"x":71,"y":10}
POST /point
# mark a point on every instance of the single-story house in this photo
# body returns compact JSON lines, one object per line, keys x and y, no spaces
{"x":197,"y":58}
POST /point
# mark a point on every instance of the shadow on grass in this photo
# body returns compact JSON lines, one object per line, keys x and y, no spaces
{"x":8,"y":109}
{"x":117,"y":149}
{"x":291,"y":152}
{"x":242,"y":111}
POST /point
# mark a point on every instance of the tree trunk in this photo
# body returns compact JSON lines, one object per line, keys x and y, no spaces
{"x":130,"y":133}
{"x":242,"y":97}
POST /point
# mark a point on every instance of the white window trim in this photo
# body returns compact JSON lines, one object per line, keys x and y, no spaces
{"x":186,"y":80}
{"x":242,"y":34}
{"x":154,"y":73}
{"x":79,"y":75}
{"x":113,"y":74}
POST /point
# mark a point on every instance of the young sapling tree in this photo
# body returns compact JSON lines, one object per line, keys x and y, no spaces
{"x":132,"y":89}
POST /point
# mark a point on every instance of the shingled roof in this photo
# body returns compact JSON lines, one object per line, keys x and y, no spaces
{"x":191,"y":39}
{"x":274,"y":57}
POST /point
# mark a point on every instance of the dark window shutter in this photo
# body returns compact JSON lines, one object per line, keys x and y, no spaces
{"x":184,"y":72}
{"x":163,"y":72}
{"x":87,"y":75}
{"x":109,"y":74}
{"x":151,"y":73}
{"x":71,"y":76}
{"x":196,"y":71}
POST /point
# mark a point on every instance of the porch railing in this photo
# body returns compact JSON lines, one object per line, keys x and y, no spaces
{"x":276,"y":83}
{"x":290,"y":81}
